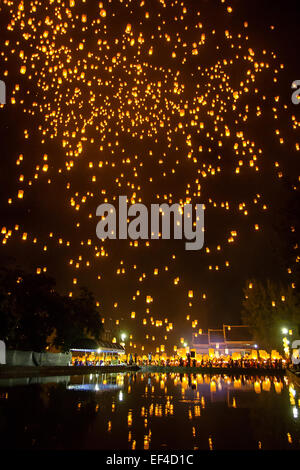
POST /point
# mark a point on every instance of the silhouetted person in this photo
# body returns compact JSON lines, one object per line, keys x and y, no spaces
{"x":188,"y":362}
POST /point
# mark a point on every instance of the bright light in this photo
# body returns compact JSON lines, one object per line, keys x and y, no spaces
{"x":120,"y":396}
{"x":123,"y":336}
{"x":284,"y":331}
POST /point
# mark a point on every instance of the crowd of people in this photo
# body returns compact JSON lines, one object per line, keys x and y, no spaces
{"x":221,"y":362}
{"x":189,"y":361}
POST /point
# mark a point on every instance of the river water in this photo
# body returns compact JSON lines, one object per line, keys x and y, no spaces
{"x":149,"y":411}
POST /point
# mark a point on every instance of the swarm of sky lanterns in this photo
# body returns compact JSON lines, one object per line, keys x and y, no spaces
{"x":97,"y":88}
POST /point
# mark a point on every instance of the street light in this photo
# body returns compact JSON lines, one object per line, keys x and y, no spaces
{"x":123,"y":336}
{"x":285,"y":341}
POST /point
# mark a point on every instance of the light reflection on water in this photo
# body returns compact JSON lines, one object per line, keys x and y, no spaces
{"x":149,"y":411}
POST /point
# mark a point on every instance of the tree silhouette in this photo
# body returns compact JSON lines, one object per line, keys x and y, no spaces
{"x":267,"y":308}
{"x":31,"y":310}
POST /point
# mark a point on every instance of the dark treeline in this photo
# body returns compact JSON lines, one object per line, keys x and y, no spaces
{"x":269,"y":305}
{"x":32,"y":311}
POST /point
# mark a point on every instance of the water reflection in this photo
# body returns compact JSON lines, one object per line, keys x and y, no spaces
{"x":97,"y":383}
{"x":150,"y":411}
{"x":33,"y":380}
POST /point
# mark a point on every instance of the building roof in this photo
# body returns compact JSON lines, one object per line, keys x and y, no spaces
{"x":230,"y":336}
{"x":201,"y":339}
{"x":216,"y":336}
{"x":237,"y":333}
{"x":106,"y":345}
{"x":88,"y":344}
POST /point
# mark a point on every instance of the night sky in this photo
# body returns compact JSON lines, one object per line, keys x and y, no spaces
{"x":162,"y":101}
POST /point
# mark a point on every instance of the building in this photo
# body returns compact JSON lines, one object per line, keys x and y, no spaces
{"x":228,"y":340}
{"x":89,"y":350}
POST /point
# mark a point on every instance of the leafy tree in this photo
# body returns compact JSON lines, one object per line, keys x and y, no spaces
{"x":288,"y":228}
{"x":8,"y":316}
{"x":267,"y":308}
{"x":25,"y":309}
{"x":31,"y":311}
{"x":76,"y":318}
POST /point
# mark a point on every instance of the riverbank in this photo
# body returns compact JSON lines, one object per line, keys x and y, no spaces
{"x":51,"y":371}
{"x":213,"y":370}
